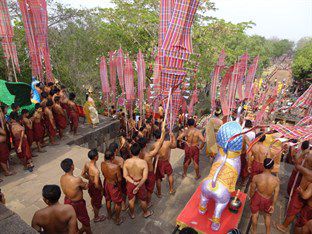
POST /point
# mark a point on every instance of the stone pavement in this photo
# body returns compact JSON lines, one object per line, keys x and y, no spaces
{"x":23,"y":192}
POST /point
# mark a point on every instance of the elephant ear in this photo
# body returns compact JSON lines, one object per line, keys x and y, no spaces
{"x":21,"y":92}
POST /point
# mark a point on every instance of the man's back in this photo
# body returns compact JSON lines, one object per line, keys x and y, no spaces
{"x":135,"y":167}
{"x":260,"y":152}
{"x":109,"y":171}
{"x":56,"y":219}
{"x":266,"y":184}
{"x":71,"y":187}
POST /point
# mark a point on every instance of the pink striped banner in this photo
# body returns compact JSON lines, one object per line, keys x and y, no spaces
{"x":251,"y":77}
{"x":113,"y":74}
{"x":104,"y":78}
{"x":224,"y":91}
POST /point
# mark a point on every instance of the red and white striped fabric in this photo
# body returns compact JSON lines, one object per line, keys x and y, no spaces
{"x":242,"y":67}
{"x":250,"y":78}
{"x":194,"y":100}
{"x":141,"y":79}
{"x":113,"y":74}
{"x":305,"y":121}
{"x":224,"y":91}
{"x":215,"y":78}
{"x":261,"y":113}
{"x":305,"y":100}
{"x":104,"y":78}
{"x":233,"y":86}
{"x":294,"y":132}
{"x":129,"y":80}
{"x":120,"y":70}
{"x":6,"y":33}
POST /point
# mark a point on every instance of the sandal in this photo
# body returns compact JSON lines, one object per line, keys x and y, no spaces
{"x":158,"y":195}
{"x":99,"y":219}
{"x":120,"y":221}
{"x":131,"y":215}
{"x":150,"y":214}
{"x":280,"y":227}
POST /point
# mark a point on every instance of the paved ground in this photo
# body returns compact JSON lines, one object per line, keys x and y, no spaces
{"x":23,"y":192}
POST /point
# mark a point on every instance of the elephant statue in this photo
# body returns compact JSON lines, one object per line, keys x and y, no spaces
{"x":224,"y":172}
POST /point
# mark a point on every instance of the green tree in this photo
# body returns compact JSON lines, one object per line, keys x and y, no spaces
{"x":302,"y":64}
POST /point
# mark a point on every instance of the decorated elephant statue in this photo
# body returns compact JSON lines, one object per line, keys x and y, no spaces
{"x":224,"y":172}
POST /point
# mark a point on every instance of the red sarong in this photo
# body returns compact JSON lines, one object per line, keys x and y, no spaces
{"x":150,"y":182}
{"x":296,"y":203}
{"x":50,"y":129}
{"x":141,"y":194}
{"x":256,"y":168}
{"x":30,"y":135}
{"x":244,"y":167}
{"x":96,"y":195}
{"x":73,"y":117}
{"x":38,"y":130}
{"x":80,"y":209}
{"x":60,"y":121}
{"x":112,"y":192}
{"x":304,"y":216}
{"x":4,"y":152}
{"x":191,"y":152}
{"x":26,"y":153}
{"x":291,"y":181}
{"x":260,"y":203}
{"x":163,"y":168}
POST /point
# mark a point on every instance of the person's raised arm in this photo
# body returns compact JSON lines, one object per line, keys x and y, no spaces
{"x":158,"y":144}
{"x":173,"y":141}
{"x":202,"y":139}
{"x":306,"y":194}
{"x":307,"y":173}
{"x":72,"y":224}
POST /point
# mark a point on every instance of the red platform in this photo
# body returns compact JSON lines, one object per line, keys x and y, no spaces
{"x":190,"y":217}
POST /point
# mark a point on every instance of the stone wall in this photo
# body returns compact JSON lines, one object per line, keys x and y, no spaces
{"x":100,"y":137}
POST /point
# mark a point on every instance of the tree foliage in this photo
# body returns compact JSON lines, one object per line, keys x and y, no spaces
{"x":302,"y":64}
{"x":79,"y":37}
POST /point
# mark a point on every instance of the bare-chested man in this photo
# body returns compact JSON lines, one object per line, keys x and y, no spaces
{"x":135,"y":172}
{"x":306,"y":212}
{"x":148,"y":156}
{"x":38,"y":127}
{"x":112,"y":185}
{"x":59,"y":116}
{"x":193,"y":136}
{"x":4,"y":149}
{"x":256,"y":156}
{"x":27,"y":123}
{"x":296,"y":202}
{"x":50,"y":122}
{"x":20,"y":142}
{"x":73,"y":187}
{"x":164,"y":167}
{"x":73,"y":113}
{"x":264,"y":191}
{"x":92,"y":173}
{"x":56,"y":217}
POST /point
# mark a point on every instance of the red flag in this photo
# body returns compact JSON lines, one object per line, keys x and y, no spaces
{"x":6,"y":32}
{"x":129,"y":80}
{"x":112,"y":73}
{"x":141,"y":79}
{"x":250,"y":77}
{"x":104,"y":78}
{"x":233,"y":86}
{"x":242,"y":67}
{"x":215,"y":77}
{"x":224,"y":91}
{"x":120,"y":70}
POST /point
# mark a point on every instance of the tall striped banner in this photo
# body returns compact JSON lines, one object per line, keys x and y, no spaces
{"x":215,"y":78}
{"x":120,"y":70}
{"x":129,"y":80}
{"x":250,"y":77}
{"x":224,"y":91}
{"x":112,"y":75}
{"x":141,"y":80}
{"x":104,"y":78}
{"x":242,"y":67}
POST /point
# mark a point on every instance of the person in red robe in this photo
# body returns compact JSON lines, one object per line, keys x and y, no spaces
{"x":38,"y":127}
{"x":73,"y":113}
{"x":27,"y":123}
{"x":59,"y":116}
{"x":50,"y":122}
{"x":20,"y":142}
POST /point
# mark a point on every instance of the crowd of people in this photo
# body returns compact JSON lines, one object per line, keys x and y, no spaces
{"x":21,"y":129}
{"x":138,"y":163}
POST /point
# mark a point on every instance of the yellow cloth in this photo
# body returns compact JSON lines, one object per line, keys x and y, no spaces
{"x":211,"y":141}
{"x":86,"y":110}
{"x":227,"y":176}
